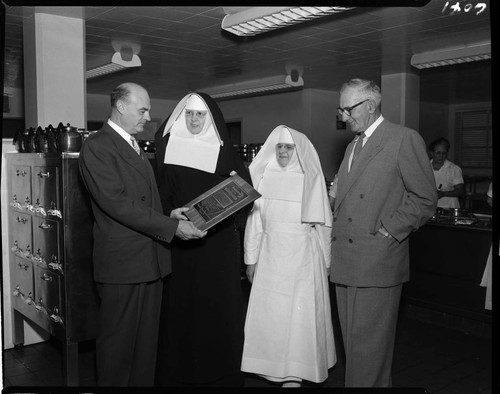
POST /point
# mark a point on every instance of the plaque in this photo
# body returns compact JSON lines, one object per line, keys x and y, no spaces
{"x":221,"y":201}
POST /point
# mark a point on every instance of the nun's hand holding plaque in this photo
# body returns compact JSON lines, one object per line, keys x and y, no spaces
{"x":221,"y":201}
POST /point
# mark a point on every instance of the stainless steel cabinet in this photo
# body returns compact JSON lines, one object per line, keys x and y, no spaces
{"x":50,"y":240}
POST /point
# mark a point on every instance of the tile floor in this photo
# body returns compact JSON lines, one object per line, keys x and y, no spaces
{"x":437,"y":358}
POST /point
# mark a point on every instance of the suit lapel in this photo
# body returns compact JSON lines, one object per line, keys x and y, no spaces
{"x":129,"y":155}
{"x":371,"y":148}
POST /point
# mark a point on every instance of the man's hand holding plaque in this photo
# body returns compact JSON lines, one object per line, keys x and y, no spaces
{"x":186,"y":229}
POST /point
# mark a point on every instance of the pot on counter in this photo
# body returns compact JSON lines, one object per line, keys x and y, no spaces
{"x":52,"y":135}
{"x":460,"y":213}
{"x":28,"y":141}
{"x":68,"y":138}
{"x":41,"y":142}
{"x":18,"y":141}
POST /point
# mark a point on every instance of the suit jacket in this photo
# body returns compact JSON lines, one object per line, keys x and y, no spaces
{"x":130,"y":231}
{"x":390,"y":184}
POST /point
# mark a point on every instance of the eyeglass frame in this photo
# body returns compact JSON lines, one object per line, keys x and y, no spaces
{"x":347,"y":110}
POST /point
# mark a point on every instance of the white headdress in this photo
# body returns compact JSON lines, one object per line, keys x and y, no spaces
{"x":306,"y":171}
{"x":199,"y":151}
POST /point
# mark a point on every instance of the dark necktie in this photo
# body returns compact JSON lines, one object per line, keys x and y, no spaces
{"x":358,"y":147}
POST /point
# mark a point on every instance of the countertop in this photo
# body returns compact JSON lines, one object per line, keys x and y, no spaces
{"x":481,"y":222}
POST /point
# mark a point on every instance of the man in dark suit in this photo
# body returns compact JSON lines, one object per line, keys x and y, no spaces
{"x":130,"y":254}
{"x":383,"y":194}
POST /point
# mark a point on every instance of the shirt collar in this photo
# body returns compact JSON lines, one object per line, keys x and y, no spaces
{"x":369,"y":131}
{"x":119,"y":130}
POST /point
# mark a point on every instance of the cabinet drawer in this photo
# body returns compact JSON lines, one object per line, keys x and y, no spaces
{"x":22,"y":234}
{"x":46,"y":241}
{"x":46,"y":187}
{"x":20,"y":178}
{"x":47,"y":290}
{"x":22,"y":280}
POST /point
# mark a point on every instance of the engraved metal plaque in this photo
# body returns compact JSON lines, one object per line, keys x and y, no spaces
{"x":221,"y":201}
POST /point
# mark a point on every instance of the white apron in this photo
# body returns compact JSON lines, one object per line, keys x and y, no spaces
{"x":288,"y":329}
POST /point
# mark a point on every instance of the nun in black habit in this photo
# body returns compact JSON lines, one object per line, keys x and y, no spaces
{"x":202,"y":321}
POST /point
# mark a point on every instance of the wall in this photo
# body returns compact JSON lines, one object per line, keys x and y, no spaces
{"x":434,"y":123}
{"x":16,"y":104}
{"x":98,"y":110}
{"x":310,"y":111}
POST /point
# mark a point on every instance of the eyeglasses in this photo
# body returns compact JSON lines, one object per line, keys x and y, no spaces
{"x":347,"y":110}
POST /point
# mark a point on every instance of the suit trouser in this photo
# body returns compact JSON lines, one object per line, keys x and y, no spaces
{"x":127,"y":336}
{"x":368,"y":318}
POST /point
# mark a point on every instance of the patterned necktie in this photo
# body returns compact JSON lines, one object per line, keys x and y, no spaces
{"x":135,"y":145}
{"x":358,"y":147}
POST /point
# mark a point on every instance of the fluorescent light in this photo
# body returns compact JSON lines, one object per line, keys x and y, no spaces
{"x":269,"y":85}
{"x":258,"y":20}
{"x":448,"y":57}
{"x":116,"y":64}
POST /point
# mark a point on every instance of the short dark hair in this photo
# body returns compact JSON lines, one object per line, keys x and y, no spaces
{"x":121,"y":92}
{"x":439,"y":141}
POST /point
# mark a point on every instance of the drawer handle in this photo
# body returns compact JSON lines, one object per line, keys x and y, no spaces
{"x":55,"y":265}
{"x":16,"y":248}
{"x":44,"y":174}
{"x":29,"y":299}
{"x":54,"y":212}
{"x":14,"y":203}
{"x":22,"y":173}
{"x":39,"y":209}
{"x":46,"y":277}
{"x":39,"y":305}
{"x":21,"y":220}
{"x":17,"y":292}
{"x":55,"y":316}
{"x":38,"y":257}
{"x":27,"y":253}
{"x":45,"y":226}
{"x":22,"y":266}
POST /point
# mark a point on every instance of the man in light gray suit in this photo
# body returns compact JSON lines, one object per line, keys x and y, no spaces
{"x":383,"y":194}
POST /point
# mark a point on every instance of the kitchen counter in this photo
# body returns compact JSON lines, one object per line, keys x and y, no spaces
{"x":480,"y":222}
{"x":447,"y":261}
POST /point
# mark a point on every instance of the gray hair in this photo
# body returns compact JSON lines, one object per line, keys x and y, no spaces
{"x":368,"y":89}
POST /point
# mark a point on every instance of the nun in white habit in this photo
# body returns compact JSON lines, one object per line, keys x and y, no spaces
{"x":288,"y":327}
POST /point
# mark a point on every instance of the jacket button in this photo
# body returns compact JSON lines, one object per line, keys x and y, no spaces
{"x":349,"y":220}
{"x":361,"y":196}
{"x":143,"y":198}
{"x":334,"y":238}
{"x":350,"y":240}
{"x":334,"y":219}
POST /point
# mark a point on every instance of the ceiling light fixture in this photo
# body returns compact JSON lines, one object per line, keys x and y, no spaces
{"x":258,"y":20}
{"x":122,"y":60}
{"x":262,"y":86}
{"x":446,"y":57}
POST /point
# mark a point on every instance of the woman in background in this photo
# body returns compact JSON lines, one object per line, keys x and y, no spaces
{"x":449,"y":179}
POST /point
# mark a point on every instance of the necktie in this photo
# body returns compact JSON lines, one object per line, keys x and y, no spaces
{"x":135,"y":145}
{"x":358,"y":147}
